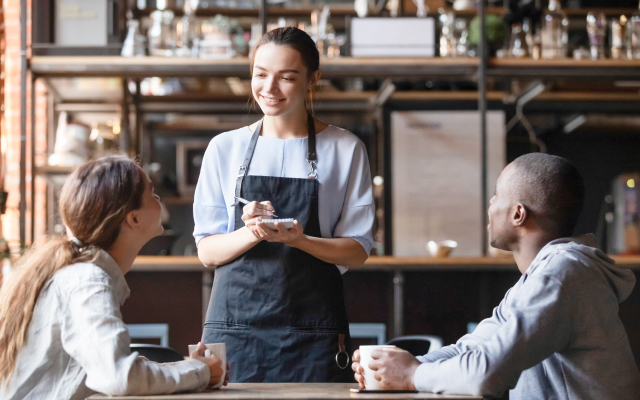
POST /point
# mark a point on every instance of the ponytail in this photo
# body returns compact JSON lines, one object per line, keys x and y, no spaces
{"x":21,"y":289}
{"x":94,"y":202}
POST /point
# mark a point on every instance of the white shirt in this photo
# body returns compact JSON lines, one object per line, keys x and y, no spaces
{"x":345,"y":199}
{"x":78,"y":345}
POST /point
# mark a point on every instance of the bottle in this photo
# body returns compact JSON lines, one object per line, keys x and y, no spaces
{"x":633,"y":32}
{"x":555,"y":35}
{"x":518,"y":47}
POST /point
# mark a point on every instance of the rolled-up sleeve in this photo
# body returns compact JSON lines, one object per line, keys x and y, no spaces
{"x":356,"y":219}
{"x":210,"y":214}
{"x":94,"y":335}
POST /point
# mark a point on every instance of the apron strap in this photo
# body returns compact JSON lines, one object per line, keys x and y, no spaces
{"x":342,"y":350}
{"x":244,"y":169}
{"x":312,"y":157}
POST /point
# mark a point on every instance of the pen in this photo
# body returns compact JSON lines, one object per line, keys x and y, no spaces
{"x":245,"y":201}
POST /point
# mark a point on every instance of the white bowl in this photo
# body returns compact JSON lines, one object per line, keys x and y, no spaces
{"x":442,"y":248}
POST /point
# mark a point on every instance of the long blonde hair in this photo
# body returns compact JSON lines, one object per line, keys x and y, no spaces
{"x":94,"y":202}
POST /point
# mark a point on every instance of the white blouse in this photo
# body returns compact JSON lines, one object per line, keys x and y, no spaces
{"x":77,"y":344}
{"x":345,"y":199}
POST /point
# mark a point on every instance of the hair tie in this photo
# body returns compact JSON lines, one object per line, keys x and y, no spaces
{"x":76,"y":241}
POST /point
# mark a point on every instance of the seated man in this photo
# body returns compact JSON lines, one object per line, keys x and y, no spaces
{"x":556,"y":334}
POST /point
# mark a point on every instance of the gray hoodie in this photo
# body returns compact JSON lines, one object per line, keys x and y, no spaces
{"x":555,"y":335}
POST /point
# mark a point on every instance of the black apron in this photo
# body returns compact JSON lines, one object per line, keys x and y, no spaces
{"x":280,"y":310}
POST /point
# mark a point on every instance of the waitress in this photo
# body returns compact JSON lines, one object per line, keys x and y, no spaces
{"x":278,"y":299}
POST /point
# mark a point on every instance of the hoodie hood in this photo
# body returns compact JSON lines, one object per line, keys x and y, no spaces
{"x":583,"y":249}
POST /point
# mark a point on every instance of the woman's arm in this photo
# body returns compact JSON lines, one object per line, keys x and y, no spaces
{"x":215,"y":250}
{"x":93,"y":333}
{"x":220,"y":249}
{"x":340,"y":251}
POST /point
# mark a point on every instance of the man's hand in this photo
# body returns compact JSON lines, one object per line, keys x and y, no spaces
{"x":393,"y":367}
{"x":214,"y":364}
{"x":357,"y":368}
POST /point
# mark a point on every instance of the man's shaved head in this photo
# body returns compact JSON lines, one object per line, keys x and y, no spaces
{"x":551,"y":188}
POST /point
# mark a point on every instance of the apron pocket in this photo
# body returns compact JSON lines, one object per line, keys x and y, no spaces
{"x":319,"y":329}
{"x":226,"y":325}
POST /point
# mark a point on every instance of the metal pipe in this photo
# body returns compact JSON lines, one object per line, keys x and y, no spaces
{"x":23,"y":121}
{"x":482,"y":108}
{"x":33,"y":159}
{"x":398,"y":303}
{"x":263,"y":15}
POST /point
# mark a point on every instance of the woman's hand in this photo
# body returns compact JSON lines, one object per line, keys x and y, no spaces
{"x":253,"y":213}
{"x":357,"y":368}
{"x":281,"y":235}
{"x":213,"y":362}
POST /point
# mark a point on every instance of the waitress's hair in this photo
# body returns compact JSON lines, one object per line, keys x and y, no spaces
{"x":298,"y":40}
{"x":94,"y":202}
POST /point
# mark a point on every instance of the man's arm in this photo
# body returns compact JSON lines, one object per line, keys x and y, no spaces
{"x":538,"y":323}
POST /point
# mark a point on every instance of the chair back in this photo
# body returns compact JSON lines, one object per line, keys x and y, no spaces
{"x":156,"y":353}
{"x":417,"y":345}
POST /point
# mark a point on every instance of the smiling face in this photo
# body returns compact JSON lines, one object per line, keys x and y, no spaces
{"x":280,"y":80}
{"x":502,"y":205}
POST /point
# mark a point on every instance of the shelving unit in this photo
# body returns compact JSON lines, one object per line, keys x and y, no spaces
{"x":474,"y":69}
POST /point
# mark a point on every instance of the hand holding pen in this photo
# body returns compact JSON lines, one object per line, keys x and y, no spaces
{"x":253,"y":212}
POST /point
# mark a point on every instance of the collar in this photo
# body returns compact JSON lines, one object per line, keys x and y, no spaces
{"x":588,"y":239}
{"x":109,"y":265}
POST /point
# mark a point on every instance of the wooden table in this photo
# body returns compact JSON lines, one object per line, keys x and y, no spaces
{"x":287,"y":391}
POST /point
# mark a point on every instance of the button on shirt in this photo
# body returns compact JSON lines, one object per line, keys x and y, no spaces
{"x":345,"y":200}
{"x":78,"y":345}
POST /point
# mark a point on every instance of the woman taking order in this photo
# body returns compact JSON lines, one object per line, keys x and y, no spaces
{"x":61,"y":331}
{"x":277,"y":299}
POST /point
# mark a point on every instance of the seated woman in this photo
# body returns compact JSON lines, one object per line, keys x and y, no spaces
{"x":61,"y":331}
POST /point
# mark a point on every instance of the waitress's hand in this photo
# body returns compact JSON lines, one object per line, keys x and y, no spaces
{"x":253,"y":213}
{"x":281,"y":235}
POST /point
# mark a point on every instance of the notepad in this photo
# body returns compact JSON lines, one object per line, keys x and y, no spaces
{"x":286,"y":222}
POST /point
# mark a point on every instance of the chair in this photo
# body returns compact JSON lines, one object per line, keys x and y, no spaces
{"x":417,"y":345}
{"x":150,"y":331}
{"x":368,"y":330}
{"x":156,"y":353}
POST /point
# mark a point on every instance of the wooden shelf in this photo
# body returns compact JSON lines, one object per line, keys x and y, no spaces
{"x":337,"y":10}
{"x":420,"y":67}
{"x":141,"y":67}
{"x":564,"y":69}
{"x":385,"y":263}
{"x":54,"y":170}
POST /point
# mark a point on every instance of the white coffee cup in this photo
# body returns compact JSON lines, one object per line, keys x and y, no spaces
{"x":219,"y":350}
{"x":370,"y":383}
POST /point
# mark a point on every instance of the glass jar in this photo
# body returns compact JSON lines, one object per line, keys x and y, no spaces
{"x":555,"y":36}
{"x":633,"y":34}
{"x":518,"y":47}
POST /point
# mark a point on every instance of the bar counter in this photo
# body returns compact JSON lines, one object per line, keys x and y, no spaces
{"x":374,"y":263}
{"x":287,"y":391}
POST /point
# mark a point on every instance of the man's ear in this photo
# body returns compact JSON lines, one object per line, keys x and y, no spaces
{"x":519,"y":215}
